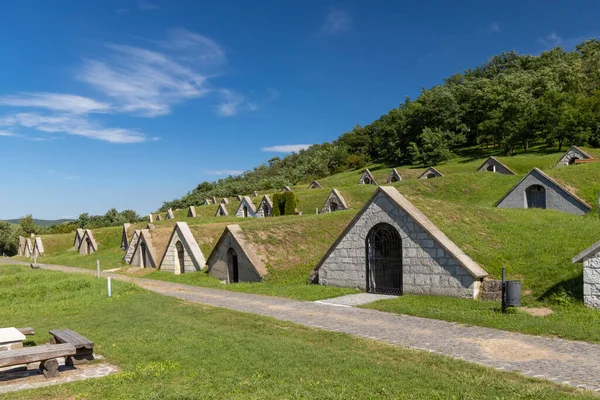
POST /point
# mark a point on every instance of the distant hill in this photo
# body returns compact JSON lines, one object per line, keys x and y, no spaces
{"x":42,"y":222}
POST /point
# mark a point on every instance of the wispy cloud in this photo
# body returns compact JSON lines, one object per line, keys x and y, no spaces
{"x":336,"y":22}
{"x":494,"y":27}
{"x":286,"y":148}
{"x":551,"y":40}
{"x":8,"y":134}
{"x":146,"y":6}
{"x":224,"y":172}
{"x":55,"y":102}
{"x":73,"y":125}
{"x":130,"y":80}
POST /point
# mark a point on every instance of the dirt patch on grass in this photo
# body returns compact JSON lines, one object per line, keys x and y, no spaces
{"x":516,"y":350}
{"x":537,"y":312}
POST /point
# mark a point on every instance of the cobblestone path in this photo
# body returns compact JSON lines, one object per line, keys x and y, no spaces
{"x":564,"y":361}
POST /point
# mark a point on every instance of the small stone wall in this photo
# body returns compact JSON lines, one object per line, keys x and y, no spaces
{"x":591,"y":281}
{"x":491,"y":289}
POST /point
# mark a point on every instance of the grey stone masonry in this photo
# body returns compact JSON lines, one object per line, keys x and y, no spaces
{"x":265,"y":208}
{"x":555,"y":196}
{"x":574,"y":153}
{"x":367,"y":178}
{"x":191,"y":212}
{"x":124,"y":238}
{"x":430,"y":173}
{"x":394,"y":176}
{"x":221,"y":211}
{"x":132,"y":245}
{"x":431,"y":263}
{"x":492,"y":164}
{"x":170,"y":214}
{"x":591,"y":274}
{"x":335,"y":202}
{"x":193,"y":259}
{"x":246,"y":208}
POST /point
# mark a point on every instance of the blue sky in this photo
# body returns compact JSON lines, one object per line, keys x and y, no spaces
{"x":129,"y":103}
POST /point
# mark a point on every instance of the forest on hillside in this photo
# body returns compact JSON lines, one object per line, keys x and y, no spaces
{"x":512,"y":102}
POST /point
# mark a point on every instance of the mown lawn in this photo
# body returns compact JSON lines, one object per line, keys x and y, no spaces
{"x":170,"y":349}
{"x":569,"y":321}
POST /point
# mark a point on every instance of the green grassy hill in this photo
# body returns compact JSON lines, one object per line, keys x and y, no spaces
{"x":535,"y":245}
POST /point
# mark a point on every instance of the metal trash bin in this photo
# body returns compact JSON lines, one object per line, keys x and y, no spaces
{"x":513,"y":293}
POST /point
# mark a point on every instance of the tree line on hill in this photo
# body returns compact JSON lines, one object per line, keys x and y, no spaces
{"x":510,"y":103}
{"x":9,"y":233}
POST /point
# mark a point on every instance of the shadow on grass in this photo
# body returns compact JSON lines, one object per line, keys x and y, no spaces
{"x":565,"y":291}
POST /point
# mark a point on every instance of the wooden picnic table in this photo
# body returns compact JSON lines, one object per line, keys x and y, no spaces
{"x":83,"y":345}
{"x":45,"y":354}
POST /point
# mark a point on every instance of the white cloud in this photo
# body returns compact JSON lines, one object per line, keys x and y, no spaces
{"x":55,"y":102}
{"x":494,"y":27}
{"x":146,"y":6}
{"x":8,"y":134}
{"x":286,"y":148}
{"x":73,"y":125}
{"x":230,"y":103}
{"x":552,"y":40}
{"x":224,"y":172}
{"x":336,"y":22}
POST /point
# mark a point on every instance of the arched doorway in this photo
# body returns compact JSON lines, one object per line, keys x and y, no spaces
{"x":266,"y":210}
{"x":143,"y":255}
{"x":394,"y":179}
{"x":535,"y":196}
{"x":491,"y":168}
{"x":366,"y":180}
{"x":232,"y":265}
{"x":384,"y":260}
{"x":573,"y":160}
{"x":245,"y":209}
{"x":430,"y":175}
{"x":88,"y":243}
{"x":180,"y":256}
{"x":333,"y":206}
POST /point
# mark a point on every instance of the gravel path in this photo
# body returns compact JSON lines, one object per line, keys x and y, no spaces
{"x":564,"y":361}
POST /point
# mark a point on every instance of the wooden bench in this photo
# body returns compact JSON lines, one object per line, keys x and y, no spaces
{"x":46,"y":355}
{"x":83,"y":345}
{"x":27,"y":331}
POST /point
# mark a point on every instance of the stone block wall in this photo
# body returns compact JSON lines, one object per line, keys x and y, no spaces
{"x":591,"y":281}
{"x":427,"y":268}
{"x":499,"y":168}
{"x":171,"y":259}
{"x":556,"y":199}
{"x":572,"y":153}
{"x":240,"y":211}
{"x":219,"y":267}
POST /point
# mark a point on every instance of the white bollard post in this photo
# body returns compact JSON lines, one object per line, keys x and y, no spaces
{"x":109,"y":288}
{"x":34,"y":260}
{"x":98,"y":268}
{"x":317,"y":210}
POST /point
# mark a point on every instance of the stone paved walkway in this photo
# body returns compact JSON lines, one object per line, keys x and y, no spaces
{"x":564,"y":361}
{"x":353,"y":300}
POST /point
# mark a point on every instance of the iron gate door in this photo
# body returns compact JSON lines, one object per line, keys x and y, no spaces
{"x":384,"y":260}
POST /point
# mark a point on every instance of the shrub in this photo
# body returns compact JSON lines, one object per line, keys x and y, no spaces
{"x":284,"y":204}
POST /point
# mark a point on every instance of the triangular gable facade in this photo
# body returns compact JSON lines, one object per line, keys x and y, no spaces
{"x":191,"y":212}
{"x":158,"y":217}
{"x":538,"y":190}
{"x":591,"y":270}
{"x":38,"y":247}
{"x":265,"y":208}
{"x":214,"y":200}
{"x":492,"y":164}
{"x":182,"y":253}
{"x":150,"y":218}
{"x":170,"y":214}
{"x":21,"y":248}
{"x":314,"y":185}
{"x":394,"y":176}
{"x":132,"y":245}
{"x":286,"y":189}
{"x":392,"y":247}
{"x":572,"y":155}
{"x":335,"y":202}
{"x":239,"y":197}
{"x":234,"y":259}
{"x":367,"y":178}
{"x":78,"y":236}
{"x":430,"y":173}
{"x":88,"y":243}
{"x":28,"y":249}
{"x":150,"y":226}
{"x":246,"y":208}
{"x":255,"y":194}
{"x":222,"y":211}
{"x":225,"y":200}
{"x":124,"y":238}
{"x":206,"y":202}
{"x":144,"y":254}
